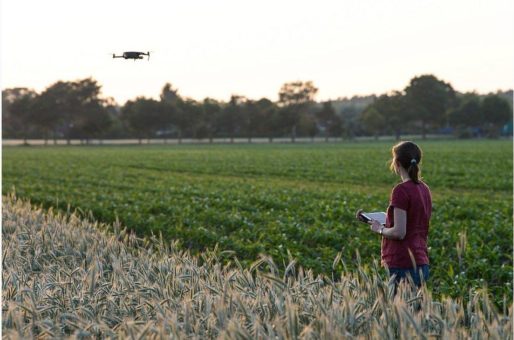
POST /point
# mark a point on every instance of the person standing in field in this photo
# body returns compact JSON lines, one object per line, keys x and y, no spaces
{"x":404,"y":237}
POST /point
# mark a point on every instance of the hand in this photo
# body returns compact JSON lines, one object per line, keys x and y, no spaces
{"x":358,"y":215}
{"x":375,"y":226}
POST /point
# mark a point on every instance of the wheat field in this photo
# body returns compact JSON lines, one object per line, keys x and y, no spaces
{"x":66,"y":277}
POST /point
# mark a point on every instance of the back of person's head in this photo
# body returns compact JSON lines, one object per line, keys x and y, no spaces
{"x":408,"y":155}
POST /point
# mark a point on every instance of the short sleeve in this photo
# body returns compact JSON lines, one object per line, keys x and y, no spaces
{"x":399,"y":198}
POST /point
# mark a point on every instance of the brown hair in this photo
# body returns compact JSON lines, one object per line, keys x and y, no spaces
{"x":408,"y":155}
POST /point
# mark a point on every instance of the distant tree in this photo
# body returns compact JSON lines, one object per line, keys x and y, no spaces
{"x":17,"y":106}
{"x":210,"y":122}
{"x":326,"y":113}
{"x":507,"y":95}
{"x":94,"y":122}
{"x":169,"y":95}
{"x":250,"y":120}
{"x":118,"y":127}
{"x":144,"y":117}
{"x":71,"y":110}
{"x":373,"y":121}
{"x":257,"y":118}
{"x":327,"y":118}
{"x":429,"y":99}
{"x":335,"y":129}
{"x":188,"y":118}
{"x":265,"y":121}
{"x":496,"y":112}
{"x":52,"y":111}
{"x":169,"y":100}
{"x":352,"y":125}
{"x":307,"y":126}
{"x":88,"y":111}
{"x":466,"y":114}
{"x":294,"y":100}
{"x":232,"y":116}
{"x":394,"y":111}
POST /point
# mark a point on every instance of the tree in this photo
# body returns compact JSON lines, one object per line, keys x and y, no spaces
{"x":211,"y":112}
{"x":393,"y":109}
{"x":118,"y":127}
{"x":144,"y":117}
{"x":88,"y":112}
{"x":335,"y":129}
{"x":17,"y":106}
{"x":52,"y":110}
{"x":496,"y":112}
{"x":429,"y":99}
{"x":250,"y":124}
{"x":71,"y":110}
{"x":259,"y":119}
{"x":307,"y":125}
{"x":169,"y":95}
{"x":187,"y":118}
{"x":373,"y":121}
{"x":350,"y":116}
{"x":263,"y":118}
{"x":294,"y":100}
{"x":93,"y":122}
{"x":232,"y":116}
{"x":327,"y":118}
{"x":466,"y":114}
{"x":169,"y":101}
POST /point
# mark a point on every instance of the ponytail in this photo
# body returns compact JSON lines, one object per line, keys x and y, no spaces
{"x":413,"y":171}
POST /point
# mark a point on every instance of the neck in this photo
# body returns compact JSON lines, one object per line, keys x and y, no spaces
{"x":404,"y":175}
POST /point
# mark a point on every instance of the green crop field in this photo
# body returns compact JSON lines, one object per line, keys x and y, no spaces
{"x":286,"y":200}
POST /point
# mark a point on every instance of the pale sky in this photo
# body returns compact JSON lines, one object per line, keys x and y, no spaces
{"x":223,"y":47}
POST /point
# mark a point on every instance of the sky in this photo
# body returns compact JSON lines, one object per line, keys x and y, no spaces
{"x":219,"y":48}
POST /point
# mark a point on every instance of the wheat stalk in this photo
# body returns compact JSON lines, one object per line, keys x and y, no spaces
{"x":67,"y":277}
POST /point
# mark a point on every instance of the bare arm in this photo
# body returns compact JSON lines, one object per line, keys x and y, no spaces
{"x":398,"y":231}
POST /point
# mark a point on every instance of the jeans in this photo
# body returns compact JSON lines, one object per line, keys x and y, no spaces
{"x":402,"y":273}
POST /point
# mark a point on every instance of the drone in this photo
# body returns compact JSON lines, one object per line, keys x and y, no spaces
{"x":132,"y":55}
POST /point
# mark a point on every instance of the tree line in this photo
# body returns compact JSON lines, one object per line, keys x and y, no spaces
{"x":76,"y":110}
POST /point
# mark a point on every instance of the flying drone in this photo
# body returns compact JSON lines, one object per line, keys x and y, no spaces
{"x":132,"y":55}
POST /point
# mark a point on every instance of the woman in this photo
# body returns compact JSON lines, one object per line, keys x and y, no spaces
{"x":404,"y":238}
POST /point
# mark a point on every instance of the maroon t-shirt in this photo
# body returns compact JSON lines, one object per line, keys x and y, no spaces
{"x":416,"y":200}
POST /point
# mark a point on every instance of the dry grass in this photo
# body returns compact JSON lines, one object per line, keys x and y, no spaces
{"x":67,"y":277}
